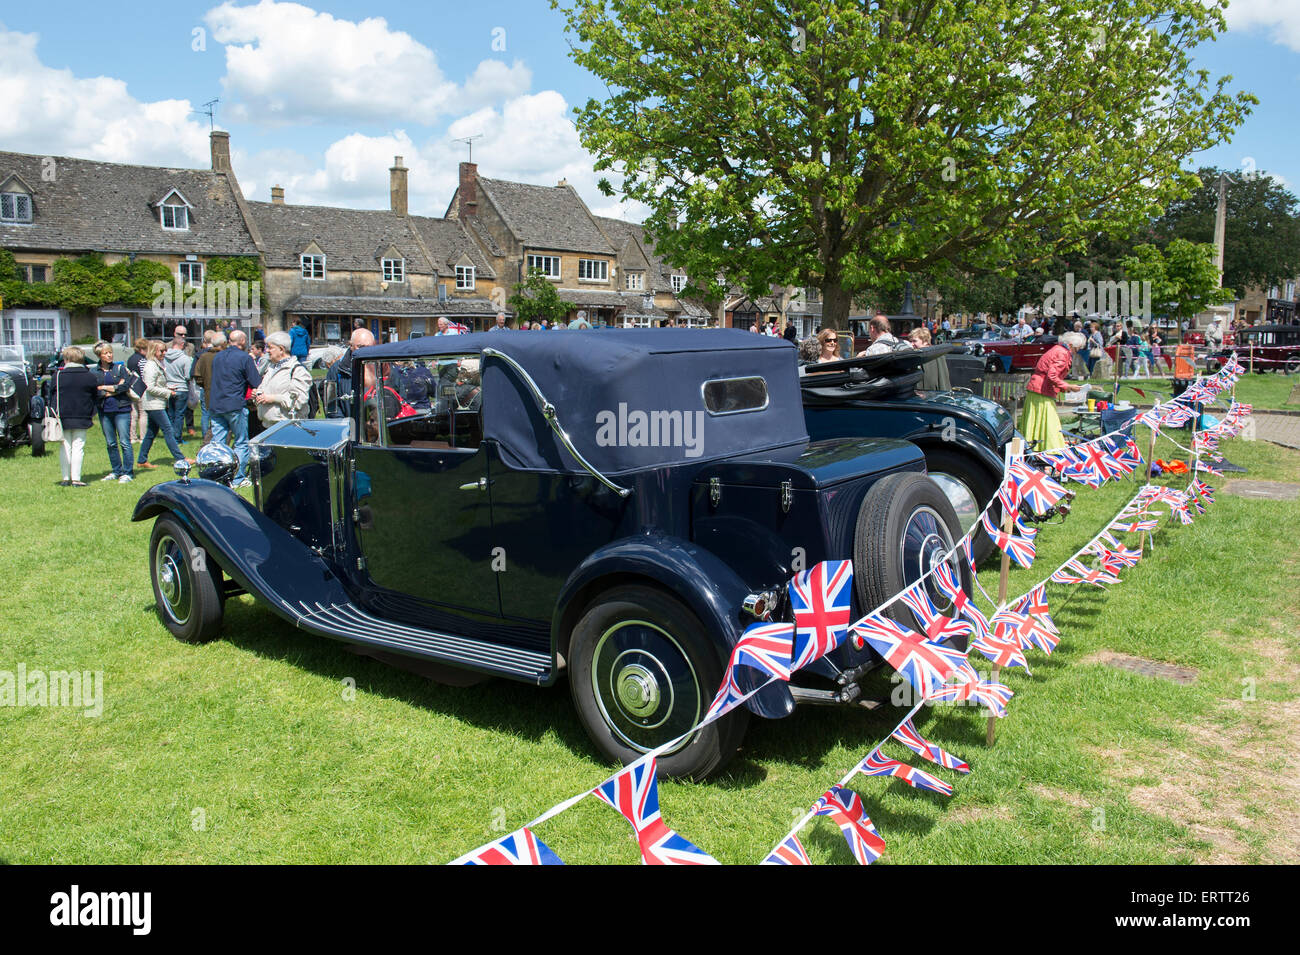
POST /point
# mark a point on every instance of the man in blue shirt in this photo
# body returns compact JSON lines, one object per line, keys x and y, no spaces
{"x":233,"y":376}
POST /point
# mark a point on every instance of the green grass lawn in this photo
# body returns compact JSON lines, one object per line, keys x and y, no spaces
{"x":254,"y":749}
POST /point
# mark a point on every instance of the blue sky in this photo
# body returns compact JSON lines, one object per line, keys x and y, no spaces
{"x":120,"y":83}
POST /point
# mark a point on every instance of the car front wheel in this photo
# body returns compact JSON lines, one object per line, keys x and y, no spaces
{"x":186,"y":592}
{"x":905,"y":526}
{"x":642,"y":672}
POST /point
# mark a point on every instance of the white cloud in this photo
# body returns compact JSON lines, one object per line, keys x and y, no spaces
{"x":355,"y":169}
{"x":287,"y":63}
{"x":1280,"y":19}
{"x":55,"y":112}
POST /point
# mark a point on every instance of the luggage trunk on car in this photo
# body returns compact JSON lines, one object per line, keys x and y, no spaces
{"x":769,"y":514}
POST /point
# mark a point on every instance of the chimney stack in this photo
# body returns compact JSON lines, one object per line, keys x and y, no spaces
{"x":277,"y":195}
{"x":220,"y":150}
{"x":397,"y":186}
{"x":468,"y":191}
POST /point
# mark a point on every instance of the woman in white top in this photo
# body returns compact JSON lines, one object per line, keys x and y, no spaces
{"x":285,"y":384}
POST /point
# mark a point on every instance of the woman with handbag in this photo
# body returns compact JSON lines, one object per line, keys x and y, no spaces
{"x":75,"y":389}
{"x":157,"y":397}
{"x":1096,"y":348}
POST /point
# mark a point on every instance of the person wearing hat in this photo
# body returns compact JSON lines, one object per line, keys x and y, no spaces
{"x":285,"y":385}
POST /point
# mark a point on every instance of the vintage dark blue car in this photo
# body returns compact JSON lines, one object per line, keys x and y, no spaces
{"x":964,"y":437}
{"x":21,"y":407}
{"x":617,"y":505}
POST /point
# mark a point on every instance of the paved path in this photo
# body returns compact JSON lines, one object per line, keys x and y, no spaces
{"x":1278,"y":428}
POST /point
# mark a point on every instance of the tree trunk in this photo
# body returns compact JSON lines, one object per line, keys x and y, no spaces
{"x":836,"y":302}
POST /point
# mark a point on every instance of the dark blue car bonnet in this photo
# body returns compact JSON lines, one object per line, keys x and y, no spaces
{"x":629,"y":399}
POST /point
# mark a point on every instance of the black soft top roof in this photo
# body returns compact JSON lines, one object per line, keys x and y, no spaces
{"x":605,"y":384}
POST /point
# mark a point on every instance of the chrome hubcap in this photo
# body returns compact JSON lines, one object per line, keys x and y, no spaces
{"x":173,"y":580}
{"x":925,"y":540}
{"x":644,"y":685}
{"x":638,"y":690}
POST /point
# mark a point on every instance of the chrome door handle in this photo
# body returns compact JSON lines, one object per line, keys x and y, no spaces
{"x":480,"y":485}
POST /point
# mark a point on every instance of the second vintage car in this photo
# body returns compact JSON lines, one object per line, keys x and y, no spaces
{"x":21,"y":407}
{"x":614,"y":505}
{"x":964,"y":436}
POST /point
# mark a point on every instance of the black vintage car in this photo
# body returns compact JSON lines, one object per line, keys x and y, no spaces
{"x":21,"y":407}
{"x":618,"y":505}
{"x":964,"y":437}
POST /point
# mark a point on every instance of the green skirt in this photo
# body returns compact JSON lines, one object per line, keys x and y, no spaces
{"x":1039,"y":422}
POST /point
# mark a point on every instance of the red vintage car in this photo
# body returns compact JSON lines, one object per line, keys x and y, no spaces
{"x":1263,"y":348}
{"x":1009,"y":354}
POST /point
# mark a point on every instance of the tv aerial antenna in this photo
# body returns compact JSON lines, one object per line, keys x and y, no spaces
{"x":469,"y":141}
{"x":210,"y":112}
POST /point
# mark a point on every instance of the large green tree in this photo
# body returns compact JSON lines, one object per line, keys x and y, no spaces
{"x":1261,"y":244}
{"x":1184,"y":279}
{"x":840,"y":144}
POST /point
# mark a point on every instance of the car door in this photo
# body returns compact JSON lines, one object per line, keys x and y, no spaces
{"x":423,"y":514}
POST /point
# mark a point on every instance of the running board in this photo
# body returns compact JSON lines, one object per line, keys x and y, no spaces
{"x":346,"y":621}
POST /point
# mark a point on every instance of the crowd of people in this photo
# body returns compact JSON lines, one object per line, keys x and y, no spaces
{"x":154,"y":393}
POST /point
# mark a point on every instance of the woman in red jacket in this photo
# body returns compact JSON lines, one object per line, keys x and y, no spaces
{"x":1039,"y":422}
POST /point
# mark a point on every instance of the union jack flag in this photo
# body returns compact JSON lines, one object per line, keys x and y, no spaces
{"x":1117,"y":559}
{"x":789,"y":852}
{"x":937,"y":627}
{"x":1134,"y":527}
{"x":877,"y":764}
{"x":1208,"y":468}
{"x":1205,"y":441}
{"x":1034,"y":603}
{"x":1025,"y":630}
{"x":518,"y":848}
{"x":943,"y":576}
{"x":845,"y":807}
{"x":634,"y":792}
{"x":1009,"y":495}
{"x":993,"y":696}
{"x":457,"y":327}
{"x":1001,"y":651}
{"x":820,"y":599}
{"x":765,"y":647}
{"x":1036,"y":489}
{"x":1104,"y":463}
{"x":1020,"y":549}
{"x":1073,"y":572}
{"x":923,"y":664}
{"x":909,"y":737}
{"x":1207,"y":492}
{"x":1058,"y":459}
{"x":1129,"y":454}
{"x":1178,"y":416}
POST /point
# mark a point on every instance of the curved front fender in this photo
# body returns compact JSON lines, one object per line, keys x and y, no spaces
{"x":260,"y":555}
{"x":707,"y":585}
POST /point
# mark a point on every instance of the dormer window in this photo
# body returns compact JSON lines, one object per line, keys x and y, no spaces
{"x":15,"y":207}
{"x":175,"y":217}
{"x":313,"y":266}
{"x":634,"y":281}
{"x":465,"y":278}
{"x":679,"y":283}
{"x":174,"y":212}
{"x":394,"y":270}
